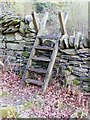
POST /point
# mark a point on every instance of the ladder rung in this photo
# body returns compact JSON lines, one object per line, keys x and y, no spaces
{"x":37,"y":82}
{"x":38,"y":70}
{"x":44,"y":48}
{"x":41,"y":59}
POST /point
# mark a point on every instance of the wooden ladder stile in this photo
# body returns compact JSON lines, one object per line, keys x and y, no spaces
{"x":37,"y":46}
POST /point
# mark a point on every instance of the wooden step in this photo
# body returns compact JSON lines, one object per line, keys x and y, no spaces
{"x":38,"y":70}
{"x":44,"y":48}
{"x":41,"y":59}
{"x":37,"y":82}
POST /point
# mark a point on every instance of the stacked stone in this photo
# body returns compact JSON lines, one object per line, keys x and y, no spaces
{"x":79,"y":64}
{"x":14,"y":44}
{"x":17,"y":39}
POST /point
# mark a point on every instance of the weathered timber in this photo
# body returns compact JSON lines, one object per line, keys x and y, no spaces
{"x":41,"y":59}
{"x":37,"y":82}
{"x":38,"y":70}
{"x":36,"y":22}
{"x":62,"y":23}
{"x":43,"y":48}
{"x":50,"y":67}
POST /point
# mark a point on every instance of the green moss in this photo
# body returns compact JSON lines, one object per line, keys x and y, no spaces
{"x":76,"y":82}
{"x":25,"y":54}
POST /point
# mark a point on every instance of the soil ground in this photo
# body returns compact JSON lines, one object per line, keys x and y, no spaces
{"x":30,"y":102}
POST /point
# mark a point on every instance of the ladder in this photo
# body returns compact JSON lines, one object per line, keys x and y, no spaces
{"x":30,"y":68}
{"x":50,"y":62}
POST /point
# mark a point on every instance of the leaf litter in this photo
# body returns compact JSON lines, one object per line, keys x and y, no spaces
{"x":29,"y":101}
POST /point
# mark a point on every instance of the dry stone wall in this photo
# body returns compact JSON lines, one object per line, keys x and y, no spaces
{"x":17,"y":39}
{"x":77,"y":64}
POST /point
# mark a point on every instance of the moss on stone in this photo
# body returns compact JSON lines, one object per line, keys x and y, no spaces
{"x":25,"y":54}
{"x":76,"y":82}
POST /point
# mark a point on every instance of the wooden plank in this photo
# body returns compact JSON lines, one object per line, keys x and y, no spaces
{"x":35,"y":22}
{"x":44,"y":48}
{"x":38,"y":70}
{"x":62,"y":23}
{"x":50,"y":67}
{"x":37,"y":82}
{"x":42,"y":59}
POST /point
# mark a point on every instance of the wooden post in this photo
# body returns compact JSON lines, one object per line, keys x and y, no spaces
{"x":35,"y":22}
{"x":63,"y":23}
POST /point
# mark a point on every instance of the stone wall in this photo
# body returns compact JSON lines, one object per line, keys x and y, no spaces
{"x":17,"y":52}
{"x":77,"y":63}
{"x":16,"y":43}
{"x":16,"y":40}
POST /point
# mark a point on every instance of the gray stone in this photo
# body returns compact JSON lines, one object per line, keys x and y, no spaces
{"x":63,"y":61}
{"x":80,"y":74}
{"x":68,"y":57}
{"x":85,"y":59}
{"x":83,"y":55}
{"x":1,"y":52}
{"x":85,"y":66}
{"x":68,"y":51}
{"x":79,"y":69}
{"x":84,"y":51}
{"x":10,"y":37}
{"x":1,"y":36}
{"x":2,"y":45}
{"x":14,"y":46}
{"x":71,"y":41}
{"x":75,"y":63}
